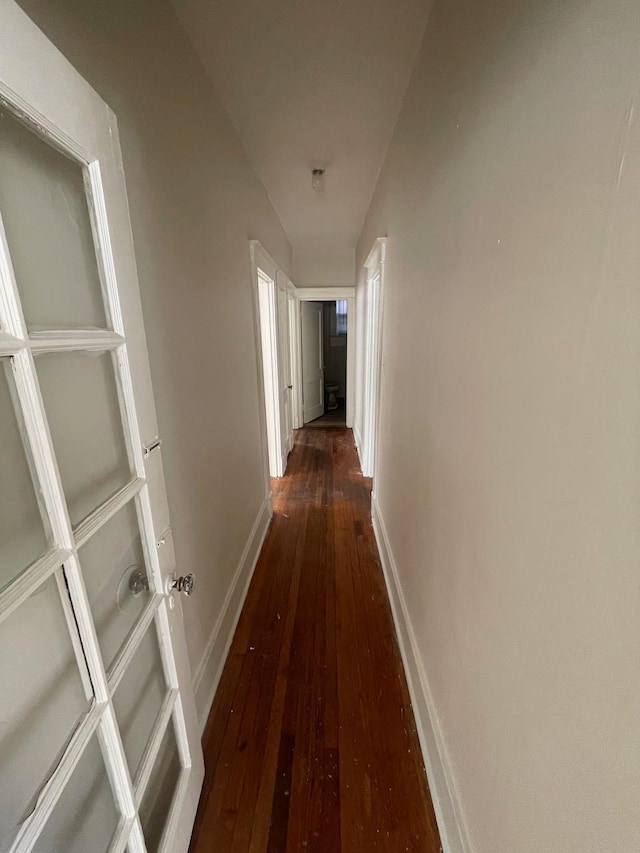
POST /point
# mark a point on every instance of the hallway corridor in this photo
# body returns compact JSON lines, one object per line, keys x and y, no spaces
{"x":311,"y":743}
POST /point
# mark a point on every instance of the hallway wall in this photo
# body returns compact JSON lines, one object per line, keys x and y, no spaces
{"x":509,"y":479}
{"x":195,"y":203}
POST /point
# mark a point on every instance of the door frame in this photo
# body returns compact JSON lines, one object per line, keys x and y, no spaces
{"x":295,"y":351}
{"x":329,"y":294}
{"x":265,"y":272}
{"x":370,"y":359}
{"x":285,"y":289}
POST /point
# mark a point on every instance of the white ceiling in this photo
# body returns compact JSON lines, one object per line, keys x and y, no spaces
{"x":311,"y":83}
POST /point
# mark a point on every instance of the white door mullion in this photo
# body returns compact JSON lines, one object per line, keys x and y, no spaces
{"x":39,"y":438}
{"x":121,"y":784}
{"x":45,"y":463}
{"x":70,"y":340}
{"x":50,"y":484}
{"x":102,"y":239}
{"x":128,"y":650}
{"x":32,"y":578}
{"x":152,"y":749}
{"x":10,"y":345}
{"x":128,"y":411}
{"x":100,"y":516}
{"x":136,"y":839}
{"x":11,"y":317}
{"x":121,"y":837}
{"x":72,"y":626}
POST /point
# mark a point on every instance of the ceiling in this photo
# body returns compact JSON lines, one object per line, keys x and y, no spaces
{"x":311,"y":83}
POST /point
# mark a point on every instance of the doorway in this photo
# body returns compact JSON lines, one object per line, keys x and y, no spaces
{"x":369,"y":358}
{"x":324,"y":361}
{"x":267,"y":312}
{"x":272,"y":305}
{"x":332,"y":348}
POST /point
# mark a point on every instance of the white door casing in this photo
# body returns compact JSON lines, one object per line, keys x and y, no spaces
{"x":312,"y":361}
{"x":44,"y":98}
{"x":271,"y":371}
{"x":370,"y":351}
{"x":272,"y":293}
{"x":286,"y":378}
{"x":327,"y":294}
{"x":295,"y":352}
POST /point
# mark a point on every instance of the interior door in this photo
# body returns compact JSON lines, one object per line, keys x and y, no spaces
{"x":312,"y":361}
{"x":295,"y":361}
{"x":286,"y":385}
{"x":99,"y":743}
{"x":284,"y":363}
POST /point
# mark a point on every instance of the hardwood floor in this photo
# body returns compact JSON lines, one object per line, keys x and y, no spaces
{"x":311,"y":743}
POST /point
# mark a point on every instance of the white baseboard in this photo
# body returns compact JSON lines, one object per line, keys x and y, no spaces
{"x":453,"y":833}
{"x":207,"y":677}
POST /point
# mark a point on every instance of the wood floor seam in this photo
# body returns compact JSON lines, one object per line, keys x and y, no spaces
{"x":311,"y":745}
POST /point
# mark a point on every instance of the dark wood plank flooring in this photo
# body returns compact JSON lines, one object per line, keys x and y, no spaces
{"x":311,"y":743}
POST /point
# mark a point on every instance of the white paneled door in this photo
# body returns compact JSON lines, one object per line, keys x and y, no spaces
{"x":312,"y":361}
{"x":99,"y":744}
{"x":285,"y":379}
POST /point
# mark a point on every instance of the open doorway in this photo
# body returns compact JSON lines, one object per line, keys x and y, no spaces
{"x":269,"y":353}
{"x":369,"y":367}
{"x":272,"y":305}
{"x":326,"y":355}
{"x":324,"y":362}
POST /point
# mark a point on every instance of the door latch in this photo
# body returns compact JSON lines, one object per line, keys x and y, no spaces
{"x":184,"y":584}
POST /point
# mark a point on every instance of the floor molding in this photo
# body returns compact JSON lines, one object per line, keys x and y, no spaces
{"x":453,"y":834}
{"x":205,"y":682}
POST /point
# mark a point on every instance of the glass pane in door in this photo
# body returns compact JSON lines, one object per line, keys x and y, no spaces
{"x":23,"y":537}
{"x":113,"y":567}
{"x":158,"y":798}
{"x":139,"y":697}
{"x":82,"y":408}
{"x":85,"y":817}
{"x":46,"y":218}
{"x":42,"y":700}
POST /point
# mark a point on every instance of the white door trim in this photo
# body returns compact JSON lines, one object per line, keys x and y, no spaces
{"x":255,"y":251}
{"x":327,"y":294}
{"x":371,"y":353}
{"x":285,"y":289}
{"x":295,"y":351}
{"x":270,"y":370}
{"x":324,"y":294}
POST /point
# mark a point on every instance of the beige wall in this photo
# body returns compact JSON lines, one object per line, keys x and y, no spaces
{"x":509,"y":476}
{"x":195,"y":202}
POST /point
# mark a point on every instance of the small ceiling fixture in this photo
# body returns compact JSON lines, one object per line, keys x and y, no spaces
{"x":317,"y":179}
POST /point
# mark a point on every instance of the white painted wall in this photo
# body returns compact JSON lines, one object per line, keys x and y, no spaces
{"x":319,"y":266}
{"x":195,"y":202}
{"x":509,"y":465}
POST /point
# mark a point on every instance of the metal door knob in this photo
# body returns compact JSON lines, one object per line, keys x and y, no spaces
{"x":185,"y":583}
